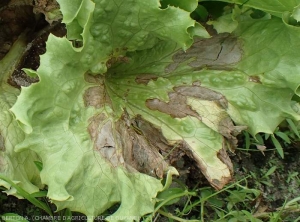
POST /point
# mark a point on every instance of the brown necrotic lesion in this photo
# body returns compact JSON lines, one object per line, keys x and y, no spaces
{"x":220,"y":51}
{"x":126,"y":143}
{"x":177,"y":106}
{"x":2,"y":143}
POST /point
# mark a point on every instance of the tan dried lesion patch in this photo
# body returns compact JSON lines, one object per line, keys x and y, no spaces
{"x":2,"y":143}
{"x":139,"y":151}
{"x":202,"y":93}
{"x":255,"y":79}
{"x":101,"y":131}
{"x":96,"y":96}
{"x":132,"y":143}
{"x":176,"y":107}
{"x":122,"y":143}
{"x":222,"y":51}
{"x":145,"y":78}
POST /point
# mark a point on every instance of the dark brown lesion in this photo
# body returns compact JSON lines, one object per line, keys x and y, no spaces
{"x":140,"y":146}
{"x":115,"y":59}
{"x":133,"y":143}
{"x":97,"y":95}
{"x":171,"y":152}
{"x":176,"y":107}
{"x":145,"y":78}
{"x":220,"y":51}
{"x":202,"y":93}
{"x":255,"y":79}
{"x":102,"y":134}
{"x":139,"y":151}
{"x":2,"y":144}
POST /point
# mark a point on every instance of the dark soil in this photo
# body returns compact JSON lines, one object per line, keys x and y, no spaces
{"x":284,"y":186}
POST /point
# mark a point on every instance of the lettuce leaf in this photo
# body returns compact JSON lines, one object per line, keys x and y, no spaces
{"x":276,"y":8}
{"x":78,"y":175}
{"x":58,"y":112}
{"x":104,"y":114}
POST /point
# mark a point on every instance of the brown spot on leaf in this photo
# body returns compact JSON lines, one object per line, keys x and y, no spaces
{"x":156,"y":138}
{"x":101,"y":131}
{"x":105,"y":144}
{"x":94,"y":125}
{"x":93,"y":79}
{"x":145,"y":78}
{"x":2,"y":143}
{"x":202,"y":93}
{"x":121,"y":143}
{"x":172,"y":153}
{"x":216,"y":183}
{"x":219,"y":51}
{"x":197,"y":83}
{"x":138,"y":151}
{"x":176,"y":107}
{"x":254,"y":79}
{"x":96,"y":96}
{"x":119,"y":59}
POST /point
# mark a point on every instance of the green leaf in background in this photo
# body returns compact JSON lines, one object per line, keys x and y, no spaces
{"x":225,"y":23}
{"x":277,"y":146}
{"x":274,"y":7}
{"x":30,"y":197}
{"x":296,"y":13}
{"x":18,"y":166}
{"x":188,"y":5}
{"x":232,"y":15}
{"x":75,"y":15}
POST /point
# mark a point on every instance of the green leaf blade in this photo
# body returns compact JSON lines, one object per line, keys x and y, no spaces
{"x":276,"y":8}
